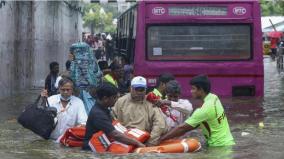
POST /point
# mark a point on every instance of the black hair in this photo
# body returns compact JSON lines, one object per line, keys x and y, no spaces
{"x":201,"y":82}
{"x":103,"y":65}
{"x":53,"y":64}
{"x":165,"y":78}
{"x":68,"y":64}
{"x":65,"y":80}
{"x":125,"y":58}
{"x":173,"y":87}
{"x":106,"y":90}
{"x":114,"y":66}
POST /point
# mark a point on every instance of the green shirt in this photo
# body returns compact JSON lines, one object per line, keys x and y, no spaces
{"x":110,"y":79}
{"x":212,"y":119}
{"x":157,"y":93}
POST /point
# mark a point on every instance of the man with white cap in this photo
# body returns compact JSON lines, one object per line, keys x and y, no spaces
{"x":134,"y":111}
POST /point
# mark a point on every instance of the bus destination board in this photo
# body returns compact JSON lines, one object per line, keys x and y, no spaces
{"x":198,"y":11}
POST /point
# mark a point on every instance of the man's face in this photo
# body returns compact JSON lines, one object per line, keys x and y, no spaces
{"x":66,"y":90}
{"x":163,"y":88}
{"x":138,"y":93}
{"x":173,"y":96}
{"x":195,"y":92}
{"x":55,"y":69}
{"x":118,"y":72}
{"x":110,"y":101}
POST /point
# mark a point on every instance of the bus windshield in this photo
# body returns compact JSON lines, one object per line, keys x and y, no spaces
{"x":199,"y":42}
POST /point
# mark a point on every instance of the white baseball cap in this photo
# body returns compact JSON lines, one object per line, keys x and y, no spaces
{"x":138,"y":81}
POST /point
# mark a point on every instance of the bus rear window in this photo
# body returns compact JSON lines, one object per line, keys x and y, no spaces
{"x":199,"y":42}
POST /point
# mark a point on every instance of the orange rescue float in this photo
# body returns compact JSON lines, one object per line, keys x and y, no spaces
{"x":173,"y":146}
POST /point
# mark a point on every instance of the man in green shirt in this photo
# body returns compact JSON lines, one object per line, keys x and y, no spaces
{"x":163,"y":79}
{"x":210,"y":116}
{"x":115,"y":74}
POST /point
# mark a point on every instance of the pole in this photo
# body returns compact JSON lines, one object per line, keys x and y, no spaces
{"x":272,"y":25}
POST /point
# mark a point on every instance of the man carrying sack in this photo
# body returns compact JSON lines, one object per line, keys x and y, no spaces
{"x":70,"y":109}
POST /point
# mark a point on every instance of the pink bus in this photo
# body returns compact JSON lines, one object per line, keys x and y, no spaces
{"x":220,"y":38}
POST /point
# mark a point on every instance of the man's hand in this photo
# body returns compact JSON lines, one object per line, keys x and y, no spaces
{"x":44,"y":93}
{"x":161,"y":138}
{"x":139,"y":144}
{"x":160,"y":103}
{"x":150,"y":145}
{"x":166,"y":102}
{"x":81,"y":125}
{"x":118,"y":136}
{"x":157,"y":103}
{"x":177,"y":131}
{"x":71,"y":57}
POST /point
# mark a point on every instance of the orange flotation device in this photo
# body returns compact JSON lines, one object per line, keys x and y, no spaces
{"x":73,"y":137}
{"x":100,"y":143}
{"x":173,"y":146}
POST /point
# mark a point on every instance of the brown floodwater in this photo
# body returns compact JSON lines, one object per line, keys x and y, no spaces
{"x":245,"y":114}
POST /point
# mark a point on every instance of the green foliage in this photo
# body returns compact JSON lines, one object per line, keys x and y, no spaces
{"x":94,"y":18}
{"x":110,"y":29}
{"x":272,"y":8}
{"x":111,"y":7}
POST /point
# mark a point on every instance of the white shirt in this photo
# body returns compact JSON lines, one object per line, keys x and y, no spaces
{"x":57,"y":81}
{"x":72,"y":115}
{"x":181,"y":103}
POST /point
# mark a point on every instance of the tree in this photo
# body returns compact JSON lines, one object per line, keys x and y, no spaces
{"x":272,"y":8}
{"x":95,"y":16}
{"x":111,"y":7}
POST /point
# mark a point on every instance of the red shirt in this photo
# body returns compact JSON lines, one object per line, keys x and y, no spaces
{"x":273,"y":43}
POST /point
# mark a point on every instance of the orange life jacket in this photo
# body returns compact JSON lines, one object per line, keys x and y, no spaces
{"x":100,"y":143}
{"x":73,"y":137}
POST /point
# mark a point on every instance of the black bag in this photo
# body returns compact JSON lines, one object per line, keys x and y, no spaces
{"x":39,"y":118}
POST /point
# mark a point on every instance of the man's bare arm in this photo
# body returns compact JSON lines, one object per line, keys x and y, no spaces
{"x":177,"y":131}
{"x":118,"y":136}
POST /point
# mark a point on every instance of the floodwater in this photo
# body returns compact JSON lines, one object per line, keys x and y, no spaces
{"x":253,"y":140}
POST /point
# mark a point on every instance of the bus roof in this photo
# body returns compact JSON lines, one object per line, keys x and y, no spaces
{"x":184,"y":1}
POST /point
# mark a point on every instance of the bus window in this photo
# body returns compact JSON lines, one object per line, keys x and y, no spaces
{"x":199,"y":42}
{"x":127,"y":28}
{"x":134,"y":23}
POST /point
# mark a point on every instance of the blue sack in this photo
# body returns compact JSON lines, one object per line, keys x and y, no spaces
{"x":85,"y":71}
{"x":88,"y":100}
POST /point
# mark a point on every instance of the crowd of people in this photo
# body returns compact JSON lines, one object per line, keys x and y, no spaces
{"x":123,"y":97}
{"x":102,"y":45}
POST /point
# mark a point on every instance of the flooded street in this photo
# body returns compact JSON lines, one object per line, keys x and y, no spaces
{"x":246,"y":116}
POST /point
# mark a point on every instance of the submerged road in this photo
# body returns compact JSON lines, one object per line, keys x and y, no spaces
{"x":246,"y":116}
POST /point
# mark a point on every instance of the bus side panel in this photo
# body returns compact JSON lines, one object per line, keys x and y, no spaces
{"x":224,"y":77}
